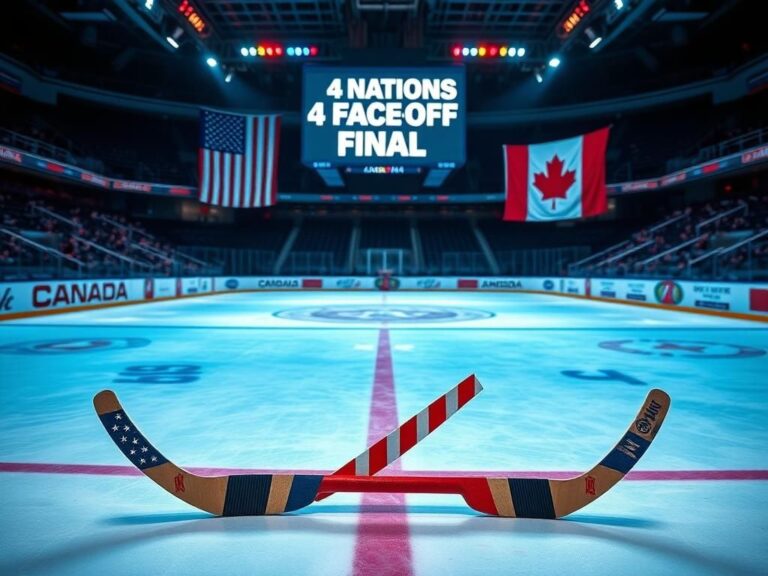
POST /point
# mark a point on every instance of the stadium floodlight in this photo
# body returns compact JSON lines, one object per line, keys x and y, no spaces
{"x":149,"y":4}
{"x":212,"y":62}
{"x":172,"y":41}
{"x":596,"y":41}
{"x":228,"y":77}
{"x":244,"y":51}
{"x":539,"y":77}
{"x":619,"y":4}
{"x":520,"y":52}
{"x":554,"y":62}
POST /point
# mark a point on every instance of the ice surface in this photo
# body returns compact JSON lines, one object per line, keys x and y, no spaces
{"x":285,"y":393}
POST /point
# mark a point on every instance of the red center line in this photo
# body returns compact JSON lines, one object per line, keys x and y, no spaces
{"x":637,"y":475}
{"x":383,"y":544}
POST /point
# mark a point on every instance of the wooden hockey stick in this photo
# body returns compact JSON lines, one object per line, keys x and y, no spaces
{"x":258,"y":494}
{"x":388,"y":449}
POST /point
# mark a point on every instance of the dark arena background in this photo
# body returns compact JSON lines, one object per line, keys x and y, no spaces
{"x":390,"y":287}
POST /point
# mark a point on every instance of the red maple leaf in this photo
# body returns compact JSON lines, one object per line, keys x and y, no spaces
{"x":555,"y":183}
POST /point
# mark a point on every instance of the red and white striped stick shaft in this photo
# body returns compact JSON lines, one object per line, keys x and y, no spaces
{"x":399,"y":441}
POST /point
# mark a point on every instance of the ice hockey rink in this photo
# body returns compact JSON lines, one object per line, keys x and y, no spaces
{"x":285,"y":381}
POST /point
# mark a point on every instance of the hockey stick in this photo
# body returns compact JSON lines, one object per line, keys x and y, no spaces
{"x":388,"y":449}
{"x":258,"y":494}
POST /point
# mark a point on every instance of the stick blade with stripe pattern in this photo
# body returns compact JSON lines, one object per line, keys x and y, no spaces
{"x":542,"y":498}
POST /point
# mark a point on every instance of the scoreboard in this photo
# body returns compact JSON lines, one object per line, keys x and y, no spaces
{"x":407,"y":117}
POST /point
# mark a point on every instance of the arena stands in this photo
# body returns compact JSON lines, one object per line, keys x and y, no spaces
{"x":714,"y":240}
{"x":451,"y":247}
{"x":320,"y":247}
{"x":48,"y":237}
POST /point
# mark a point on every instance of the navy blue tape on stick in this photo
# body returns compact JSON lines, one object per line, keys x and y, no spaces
{"x":303,"y":491}
{"x":627,"y":453}
{"x":247,"y":495}
{"x":532,"y":498}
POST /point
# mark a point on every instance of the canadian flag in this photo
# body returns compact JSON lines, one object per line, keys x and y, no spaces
{"x":556,"y":180}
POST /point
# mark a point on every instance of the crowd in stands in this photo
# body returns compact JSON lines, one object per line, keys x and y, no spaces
{"x":710,"y":239}
{"x":42,"y":233}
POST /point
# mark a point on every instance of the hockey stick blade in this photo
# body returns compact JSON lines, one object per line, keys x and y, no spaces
{"x":259,"y":494}
{"x":388,"y":449}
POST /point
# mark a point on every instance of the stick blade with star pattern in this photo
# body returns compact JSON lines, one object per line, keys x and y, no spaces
{"x":239,"y":495}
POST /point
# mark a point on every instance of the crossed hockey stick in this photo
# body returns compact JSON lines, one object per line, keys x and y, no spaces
{"x":259,"y":494}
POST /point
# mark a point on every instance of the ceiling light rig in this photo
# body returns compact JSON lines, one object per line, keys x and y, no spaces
{"x":487,"y":51}
{"x":272,"y":51}
{"x":593,"y":37}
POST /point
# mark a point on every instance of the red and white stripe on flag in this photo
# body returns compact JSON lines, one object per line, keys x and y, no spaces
{"x":556,"y":180}
{"x":237,"y":160}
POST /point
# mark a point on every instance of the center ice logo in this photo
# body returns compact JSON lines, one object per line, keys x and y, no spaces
{"x":376,"y":314}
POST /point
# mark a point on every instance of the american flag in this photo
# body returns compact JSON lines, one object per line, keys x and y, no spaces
{"x":238,"y":159}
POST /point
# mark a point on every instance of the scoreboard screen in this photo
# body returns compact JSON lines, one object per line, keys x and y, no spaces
{"x":384,"y":116}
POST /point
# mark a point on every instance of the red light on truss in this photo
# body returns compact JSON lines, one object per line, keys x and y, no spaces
{"x":578,"y":13}
{"x":192,"y":16}
{"x":493,"y":50}
{"x":313,"y":50}
{"x":456,"y":51}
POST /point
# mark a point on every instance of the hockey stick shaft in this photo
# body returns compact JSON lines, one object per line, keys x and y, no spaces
{"x":388,"y":449}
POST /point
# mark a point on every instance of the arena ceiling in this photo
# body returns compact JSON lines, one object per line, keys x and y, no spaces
{"x":645,"y":43}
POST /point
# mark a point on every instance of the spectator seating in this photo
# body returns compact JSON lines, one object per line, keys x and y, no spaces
{"x":701,"y":241}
